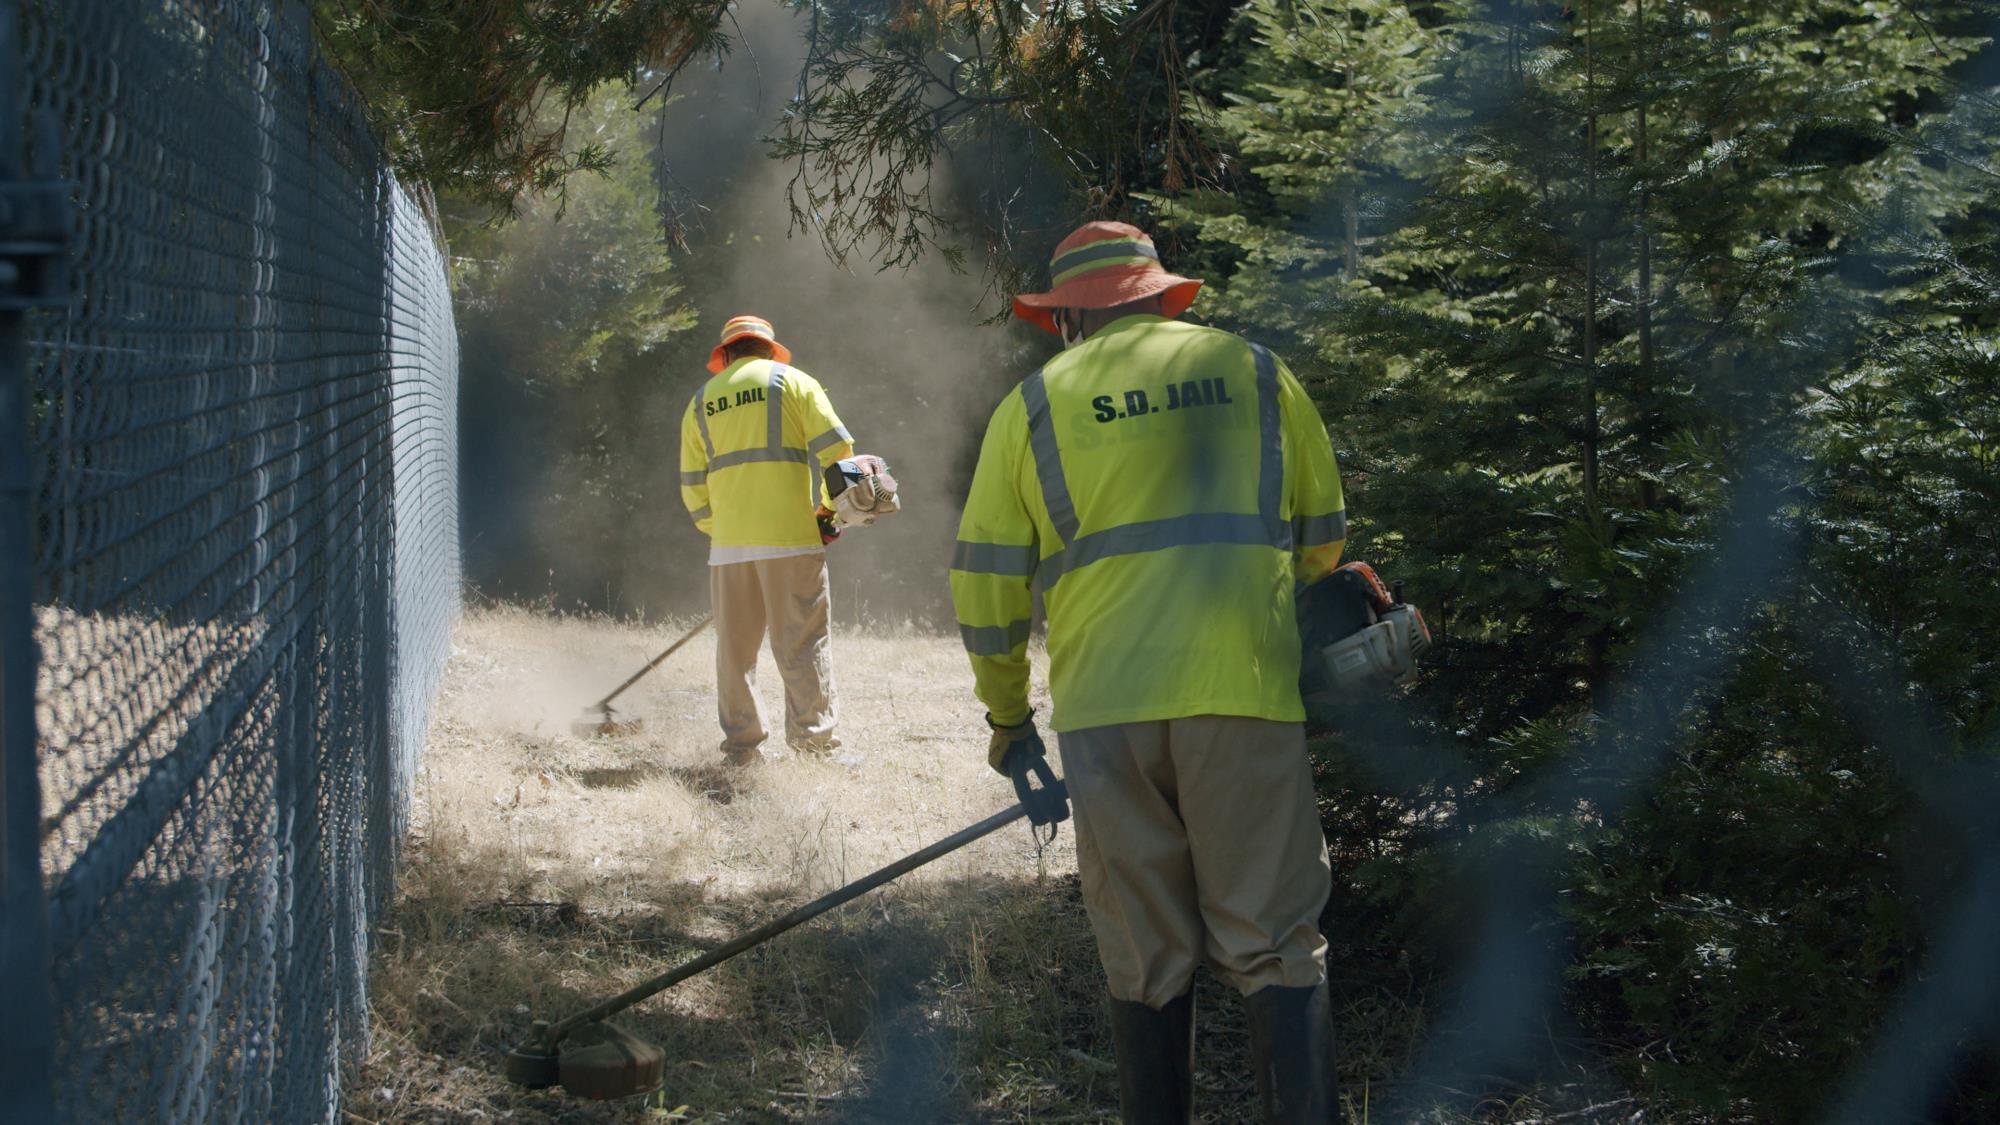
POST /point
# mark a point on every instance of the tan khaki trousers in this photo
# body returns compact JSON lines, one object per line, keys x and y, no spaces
{"x":789,"y":596}
{"x":1194,"y":837}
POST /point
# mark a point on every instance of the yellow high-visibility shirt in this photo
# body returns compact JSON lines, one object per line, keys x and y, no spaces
{"x":753,"y":442}
{"x":1167,"y":486}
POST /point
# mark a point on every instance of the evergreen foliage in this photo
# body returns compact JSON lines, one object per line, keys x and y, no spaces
{"x":1568,"y":280}
{"x":477,"y":96}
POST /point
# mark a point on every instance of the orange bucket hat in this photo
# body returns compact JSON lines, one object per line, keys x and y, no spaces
{"x":739,"y":327}
{"x":1102,"y":265}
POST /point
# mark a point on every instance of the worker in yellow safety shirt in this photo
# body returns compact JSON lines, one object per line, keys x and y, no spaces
{"x":1168,"y":487}
{"x":753,"y":442}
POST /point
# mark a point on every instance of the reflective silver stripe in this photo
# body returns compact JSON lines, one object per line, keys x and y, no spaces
{"x":824,"y":441}
{"x":1089,"y":254}
{"x":1318,"y":531}
{"x":833,"y":436}
{"x":1048,"y":459}
{"x":1199,"y":529}
{"x":700,"y":513}
{"x":775,"y":408}
{"x":690,"y":480}
{"x":993,"y":558}
{"x":701,"y":419}
{"x":1271,"y":450}
{"x":746,"y":456}
{"x":995,"y":640}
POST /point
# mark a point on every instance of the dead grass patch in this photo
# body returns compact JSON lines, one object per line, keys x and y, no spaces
{"x":546,"y":871}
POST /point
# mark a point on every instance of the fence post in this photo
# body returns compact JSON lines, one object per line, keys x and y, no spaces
{"x":34,"y":228}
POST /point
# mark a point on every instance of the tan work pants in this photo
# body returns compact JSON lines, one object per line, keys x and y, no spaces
{"x":789,"y":596}
{"x":1199,"y":836}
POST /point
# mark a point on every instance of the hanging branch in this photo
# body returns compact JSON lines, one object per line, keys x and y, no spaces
{"x":881,"y":99}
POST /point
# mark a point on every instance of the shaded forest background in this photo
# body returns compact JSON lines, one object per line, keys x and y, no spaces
{"x":1658,"y":340}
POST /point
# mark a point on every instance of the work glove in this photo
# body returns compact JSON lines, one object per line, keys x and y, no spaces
{"x":828,"y":530}
{"x":1005,"y":739}
{"x":1018,"y":752}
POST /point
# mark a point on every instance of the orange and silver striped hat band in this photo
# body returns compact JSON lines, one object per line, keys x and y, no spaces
{"x":1102,"y":265}
{"x":743,"y":327}
{"x":1107,"y":254}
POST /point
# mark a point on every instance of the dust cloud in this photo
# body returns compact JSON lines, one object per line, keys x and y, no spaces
{"x":904,"y":355}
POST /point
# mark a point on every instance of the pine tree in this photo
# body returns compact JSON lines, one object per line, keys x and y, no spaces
{"x":476,"y":96}
{"x":1322,"y":118}
{"x":1655,"y":247}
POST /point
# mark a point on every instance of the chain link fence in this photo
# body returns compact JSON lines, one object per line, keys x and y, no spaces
{"x":240,"y":548}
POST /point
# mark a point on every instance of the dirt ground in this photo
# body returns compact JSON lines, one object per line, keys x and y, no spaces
{"x":545,"y":871}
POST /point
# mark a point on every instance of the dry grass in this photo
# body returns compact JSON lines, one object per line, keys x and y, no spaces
{"x":546,"y":871}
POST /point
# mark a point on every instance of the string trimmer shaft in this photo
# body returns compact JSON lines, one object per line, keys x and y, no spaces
{"x":603,"y":720}
{"x":597,"y":1060}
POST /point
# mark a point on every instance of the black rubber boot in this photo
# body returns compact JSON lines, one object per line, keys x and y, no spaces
{"x":1291,"y":1044}
{"x":1155,"y":1061}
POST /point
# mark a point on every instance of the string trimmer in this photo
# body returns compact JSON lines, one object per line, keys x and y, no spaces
{"x":600,"y":1060}
{"x":601,"y":718}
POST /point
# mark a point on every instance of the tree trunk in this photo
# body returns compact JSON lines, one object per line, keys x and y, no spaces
{"x":1597,"y":646}
{"x":1591,"y":425}
{"x":1353,"y":248}
{"x":1643,"y":302}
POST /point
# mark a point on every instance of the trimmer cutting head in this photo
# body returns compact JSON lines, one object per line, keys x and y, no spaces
{"x":534,"y":1063}
{"x":598,"y":1060}
{"x":600,"y":721}
{"x":606,"y":723}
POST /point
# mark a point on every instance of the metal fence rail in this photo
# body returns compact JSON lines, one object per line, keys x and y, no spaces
{"x":240,"y":549}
